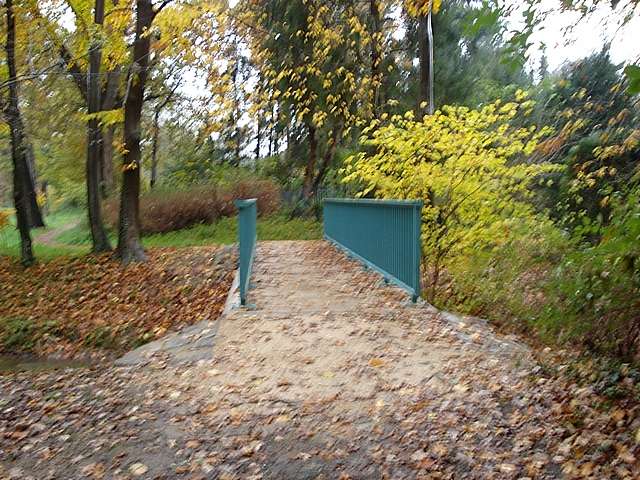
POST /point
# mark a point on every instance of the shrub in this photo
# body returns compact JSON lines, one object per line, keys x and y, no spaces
{"x":564,"y":289}
{"x":595,"y":291}
{"x":266,"y":191}
{"x":507,"y":284}
{"x":167,"y":211}
{"x":465,"y":165}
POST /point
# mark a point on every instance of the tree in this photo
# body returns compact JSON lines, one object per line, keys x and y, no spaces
{"x":464,"y":164}
{"x":14,"y":118}
{"x":468,"y":67}
{"x":308,"y":55}
{"x":100,"y":97}
{"x":535,"y":14}
{"x":169,"y":96}
{"x":423,"y":10}
{"x":94,"y":136}
{"x":129,"y":244}
{"x":105,"y":41}
{"x":22,"y":186}
{"x":595,"y":136}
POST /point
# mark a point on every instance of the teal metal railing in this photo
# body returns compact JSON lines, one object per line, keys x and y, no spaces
{"x":247,"y":217}
{"x":383,"y":234}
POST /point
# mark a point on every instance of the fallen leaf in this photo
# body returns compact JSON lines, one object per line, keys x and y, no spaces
{"x":138,"y":469}
{"x":376,"y":362}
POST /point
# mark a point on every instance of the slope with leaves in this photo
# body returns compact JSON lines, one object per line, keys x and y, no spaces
{"x":68,"y":305}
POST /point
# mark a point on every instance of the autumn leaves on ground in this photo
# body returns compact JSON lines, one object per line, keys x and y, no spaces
{"x":93,"y":305}
{"x":333,"y":374}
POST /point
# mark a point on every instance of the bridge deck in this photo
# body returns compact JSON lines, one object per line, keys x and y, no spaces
{"x":334,"y":371}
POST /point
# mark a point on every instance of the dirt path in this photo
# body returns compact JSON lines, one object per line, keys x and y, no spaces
{"x":49,"y":237}
{"x":332,"y":375}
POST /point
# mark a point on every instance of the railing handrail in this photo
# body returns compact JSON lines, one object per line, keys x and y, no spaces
{"x":376,"y":201}
{"x":386,"y":238}
{"x":247,"y":237}
{"x":245,"y":202}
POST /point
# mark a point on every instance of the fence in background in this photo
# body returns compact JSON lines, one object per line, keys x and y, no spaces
{"x":383,"y":234}
{"x":247,"y":217}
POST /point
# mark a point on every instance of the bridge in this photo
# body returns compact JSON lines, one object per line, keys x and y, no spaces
{"x":334,"y":369}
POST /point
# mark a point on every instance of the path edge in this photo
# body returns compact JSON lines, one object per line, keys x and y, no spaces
{"x":187,"y":339}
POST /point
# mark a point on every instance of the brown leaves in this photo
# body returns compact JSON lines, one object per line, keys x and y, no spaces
{"x":93,"y":470}
{"x":93,"y":302}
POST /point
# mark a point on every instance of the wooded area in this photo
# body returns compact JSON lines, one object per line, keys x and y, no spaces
{"x":128,"y":131}
{"x":529,"y":176}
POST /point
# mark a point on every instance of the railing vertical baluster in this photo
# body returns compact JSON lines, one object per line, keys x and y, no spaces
{"x":247,"y":237}
{"x":383,"y":234}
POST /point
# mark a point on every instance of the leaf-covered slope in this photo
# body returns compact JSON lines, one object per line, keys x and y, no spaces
{"x":93,"y":302}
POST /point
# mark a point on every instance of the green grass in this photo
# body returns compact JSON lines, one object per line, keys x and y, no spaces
{"x":78,"y":235}
{"x":225,"y":231}
{"x":77,"y":241}
{"x":10,"y":238}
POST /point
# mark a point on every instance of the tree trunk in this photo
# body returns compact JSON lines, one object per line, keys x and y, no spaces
{"x":327,"y":160}
{"x":156,"y":134}
{"x":235,"y":112}
{"x":275,"y":140}
{"x":425,"y":57}
{"x":376,"y":55}
{"x":258,"y":139}
{"x":34,"y":213}
{"x":129,"y":244}
{"x":310,"y":169}
{"x":94,"y":141}
{"x":18,"y":147}
{"x":109,"y":101}
{"x":154,"y":149}
{"x":287,"y":135}
{"x":107,"y":175}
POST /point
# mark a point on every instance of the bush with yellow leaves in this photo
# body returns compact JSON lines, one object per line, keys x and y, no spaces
{"x":469,"y":168}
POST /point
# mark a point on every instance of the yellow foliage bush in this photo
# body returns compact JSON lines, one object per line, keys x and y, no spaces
{"x":469,"y":168}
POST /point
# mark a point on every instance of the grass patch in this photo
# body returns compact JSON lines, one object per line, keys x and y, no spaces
{"x":21,"y":334}
{"x":225,"y":232}
{"x":77,"y":240}
{"x":78,"y":235}
{"x":101,"y":337}
{"x":17,"y":334}
{"x":10,"y":238}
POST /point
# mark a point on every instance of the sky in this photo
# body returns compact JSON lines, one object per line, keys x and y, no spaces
{"x":566,"y":44}
{"x":565,"y":36}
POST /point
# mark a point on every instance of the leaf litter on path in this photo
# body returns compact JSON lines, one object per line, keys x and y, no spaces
{"x":438,"y":405}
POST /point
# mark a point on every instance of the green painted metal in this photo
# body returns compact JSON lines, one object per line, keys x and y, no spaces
{"x":247,"y":216}
{"x":383,"y":234}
